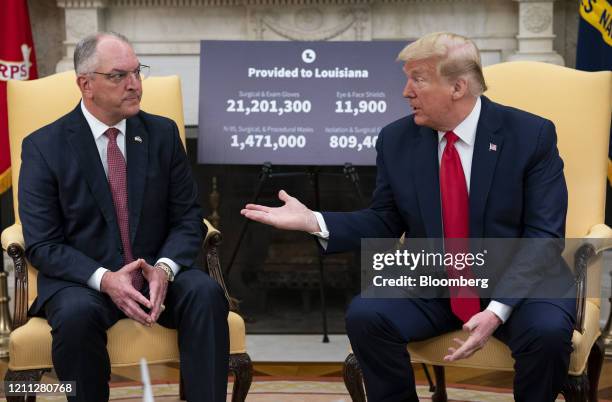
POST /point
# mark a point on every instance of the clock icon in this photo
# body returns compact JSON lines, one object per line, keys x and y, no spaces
{"x":308,"y":56}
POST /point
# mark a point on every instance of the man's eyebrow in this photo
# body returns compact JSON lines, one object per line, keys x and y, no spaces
{"x":415,"y":71}
{"x":120,"y":70}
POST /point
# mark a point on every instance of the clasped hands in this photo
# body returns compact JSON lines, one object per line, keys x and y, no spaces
{"x":118,"y":285}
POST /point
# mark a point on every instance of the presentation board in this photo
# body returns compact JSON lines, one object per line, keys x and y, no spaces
{"x":297,"y":103}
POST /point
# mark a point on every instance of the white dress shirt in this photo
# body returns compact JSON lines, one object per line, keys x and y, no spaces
{"x":98,"y":129}
{"x":466,"y":131}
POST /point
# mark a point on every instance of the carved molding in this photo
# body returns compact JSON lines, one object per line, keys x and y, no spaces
{"x":309,"y":19}
{"x":536,"y":18}
{"x":168,"y":32}
{"x":82,"y":3}
{"x":311,"y":23}
{"x":225,"y":3}
{"x":81,"y":24}
{"x":287,"y":32}
{"x":535,"y":38}
{"x":204,"y":3}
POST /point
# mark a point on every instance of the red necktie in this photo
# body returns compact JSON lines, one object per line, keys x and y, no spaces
{"x":117,"y":178}
{"x":465,"y":301}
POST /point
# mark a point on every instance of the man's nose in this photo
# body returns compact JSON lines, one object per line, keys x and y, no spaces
{"x":408,"y":90}
{"x":132,"y":81}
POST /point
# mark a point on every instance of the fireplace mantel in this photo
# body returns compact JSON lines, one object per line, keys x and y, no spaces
{"x":166,"y":33}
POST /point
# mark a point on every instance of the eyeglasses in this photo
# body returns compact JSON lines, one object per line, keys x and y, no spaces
{"x":118,"y":76}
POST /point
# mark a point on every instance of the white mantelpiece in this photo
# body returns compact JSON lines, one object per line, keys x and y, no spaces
{"x":166,"y":33}
{"x":535,"y":38}
{"x":82,"y":18}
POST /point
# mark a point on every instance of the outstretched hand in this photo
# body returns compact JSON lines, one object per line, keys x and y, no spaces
{"x":293,"y":215}
{"x":480,"y":327}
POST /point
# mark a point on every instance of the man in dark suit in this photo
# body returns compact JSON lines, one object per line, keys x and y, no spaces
{"x":461,"y":166}
{"x":112,"y":223}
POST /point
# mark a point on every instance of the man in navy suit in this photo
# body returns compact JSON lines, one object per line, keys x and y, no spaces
{"x":112,"y":223}
{"x":461,"y":166}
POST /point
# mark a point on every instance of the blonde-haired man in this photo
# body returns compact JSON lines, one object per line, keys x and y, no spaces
{"x":460,"y":166}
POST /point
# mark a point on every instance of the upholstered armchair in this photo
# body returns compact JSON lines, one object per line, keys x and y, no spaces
{"x":579,"y":103}
{"x":33,"y":104}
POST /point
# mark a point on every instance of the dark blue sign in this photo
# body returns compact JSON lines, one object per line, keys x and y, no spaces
{"x":297,"y":103}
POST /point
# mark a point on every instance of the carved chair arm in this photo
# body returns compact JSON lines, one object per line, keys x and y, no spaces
{"x":14,"y":244}
{"x":597,"y":240}
{"x":210,"y":245}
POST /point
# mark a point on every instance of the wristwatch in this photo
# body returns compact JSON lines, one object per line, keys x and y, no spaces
{"x":166,"y":268}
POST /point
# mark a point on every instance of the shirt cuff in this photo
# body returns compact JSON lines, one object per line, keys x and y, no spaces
{"x":173,"y":265}
{"x":501,"y":310}
{"x":95,"y":279}
{"x":323,"y":235}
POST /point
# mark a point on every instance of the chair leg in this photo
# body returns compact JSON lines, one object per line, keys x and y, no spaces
{"x":595,"y":362}
{"x":575,"y":388}
{"x":353,"y":379}
{"x":241,"y":367}
{"x":182,"y":396}
{"x":432,"y":386}
{"x":440,"y":393}
{"x":24,"y":375}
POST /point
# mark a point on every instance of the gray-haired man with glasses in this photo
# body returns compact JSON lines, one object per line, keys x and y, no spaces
{"x":117,"y":76}
{"x":111,"y":220}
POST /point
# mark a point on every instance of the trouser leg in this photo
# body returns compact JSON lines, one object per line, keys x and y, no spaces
{"x":79,"y":318}
{"x":539,"y":334}
{"x":379,"y":330}
{"x":197,"y":308}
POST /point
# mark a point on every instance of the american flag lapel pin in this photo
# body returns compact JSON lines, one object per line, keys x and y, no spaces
{"x":138,"y":139}
{"x":492,"y":147}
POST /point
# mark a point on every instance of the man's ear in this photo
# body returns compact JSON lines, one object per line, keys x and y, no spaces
{"x":460,"y":88}
{"x":84,"y":83}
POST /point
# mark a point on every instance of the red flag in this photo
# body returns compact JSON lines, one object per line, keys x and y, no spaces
{"x":17,"y":62}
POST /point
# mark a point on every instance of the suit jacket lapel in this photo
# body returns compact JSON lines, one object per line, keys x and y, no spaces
{"x":84,"y":147}
{"x":137,"y":156}
{"x":427,"y":181}
{"x":487,"y":147}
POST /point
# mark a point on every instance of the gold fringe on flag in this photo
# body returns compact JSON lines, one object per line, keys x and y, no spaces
{"x":5,"y":180}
